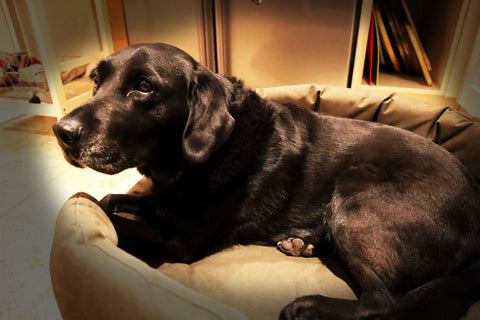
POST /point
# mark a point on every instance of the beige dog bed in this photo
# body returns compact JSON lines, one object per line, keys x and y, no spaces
{"x":93,"y":279}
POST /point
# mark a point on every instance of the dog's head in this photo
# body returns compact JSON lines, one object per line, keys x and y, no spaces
{"x":149,"y":101}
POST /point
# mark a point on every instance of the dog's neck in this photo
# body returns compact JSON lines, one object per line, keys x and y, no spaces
{"x":247,"y":143}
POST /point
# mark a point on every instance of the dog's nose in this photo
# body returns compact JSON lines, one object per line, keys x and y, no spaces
{"x":67,"y":132}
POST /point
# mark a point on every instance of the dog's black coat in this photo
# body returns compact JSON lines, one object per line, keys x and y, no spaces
{"x":231,"y":168}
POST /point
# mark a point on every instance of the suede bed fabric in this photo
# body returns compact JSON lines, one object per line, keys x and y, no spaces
{"x":93,"y":279}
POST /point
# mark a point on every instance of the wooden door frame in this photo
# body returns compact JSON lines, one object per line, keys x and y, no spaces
{"x":118,"y":25}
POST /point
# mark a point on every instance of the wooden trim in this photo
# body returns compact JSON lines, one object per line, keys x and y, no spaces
{"x":206,"y":33}
{"x":454,"y":46}
{"x":360,"y":51}
{"x":102,"y":18}
{"x":470,"y":92}
{"x":462,"y":47}
{"x":118,"y":25}
{"x":47,"y":53}
{"x":220,"y":39}
{"x":201,"y":26}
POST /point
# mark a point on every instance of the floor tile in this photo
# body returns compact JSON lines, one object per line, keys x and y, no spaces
{"x":35,"y":181}
{"x":45,"y":308}
{"x":33,"y":124}
{"x":21,"y":176}
{"x":23,"y":265}
{"x":26,"y":234}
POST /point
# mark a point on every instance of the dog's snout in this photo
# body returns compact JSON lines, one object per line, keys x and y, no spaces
{"x":67,"y":132}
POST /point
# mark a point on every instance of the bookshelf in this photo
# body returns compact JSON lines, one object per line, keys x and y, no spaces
{"x":438,"y":25}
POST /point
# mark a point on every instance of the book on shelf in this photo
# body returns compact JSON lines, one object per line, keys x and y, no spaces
{"x":372,"y":57}
{"x":394,"y":44}
{"x":386,"y":44}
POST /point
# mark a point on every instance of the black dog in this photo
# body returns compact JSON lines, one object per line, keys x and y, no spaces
{"x":229,"y":168}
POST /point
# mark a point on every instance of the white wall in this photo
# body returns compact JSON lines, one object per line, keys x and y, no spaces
{"x":279,"y":42}
{"x":285,"y":42}
{"x":7,"y":42}
{"x":71,"y":25}
{"x":170,"y":21}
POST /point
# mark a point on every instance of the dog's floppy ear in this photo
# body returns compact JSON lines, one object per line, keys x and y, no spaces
{"x":209,"y":124}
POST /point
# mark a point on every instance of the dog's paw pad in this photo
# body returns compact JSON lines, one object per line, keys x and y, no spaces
{"x":308,"y":250}
{"x":295,"y":247}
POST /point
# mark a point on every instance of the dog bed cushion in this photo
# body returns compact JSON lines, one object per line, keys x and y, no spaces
{"x":93,"y":278}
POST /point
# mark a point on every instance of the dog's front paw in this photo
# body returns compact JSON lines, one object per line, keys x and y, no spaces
{"x":108,"y":203}
{"x":301,"y":308}
{"x":295,"y":247}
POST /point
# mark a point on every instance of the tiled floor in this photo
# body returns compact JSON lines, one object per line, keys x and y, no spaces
{"x":35,"y":181}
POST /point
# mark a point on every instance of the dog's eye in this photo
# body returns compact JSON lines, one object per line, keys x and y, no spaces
{"x":145,"y":86}
{"x":94,"y":78}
